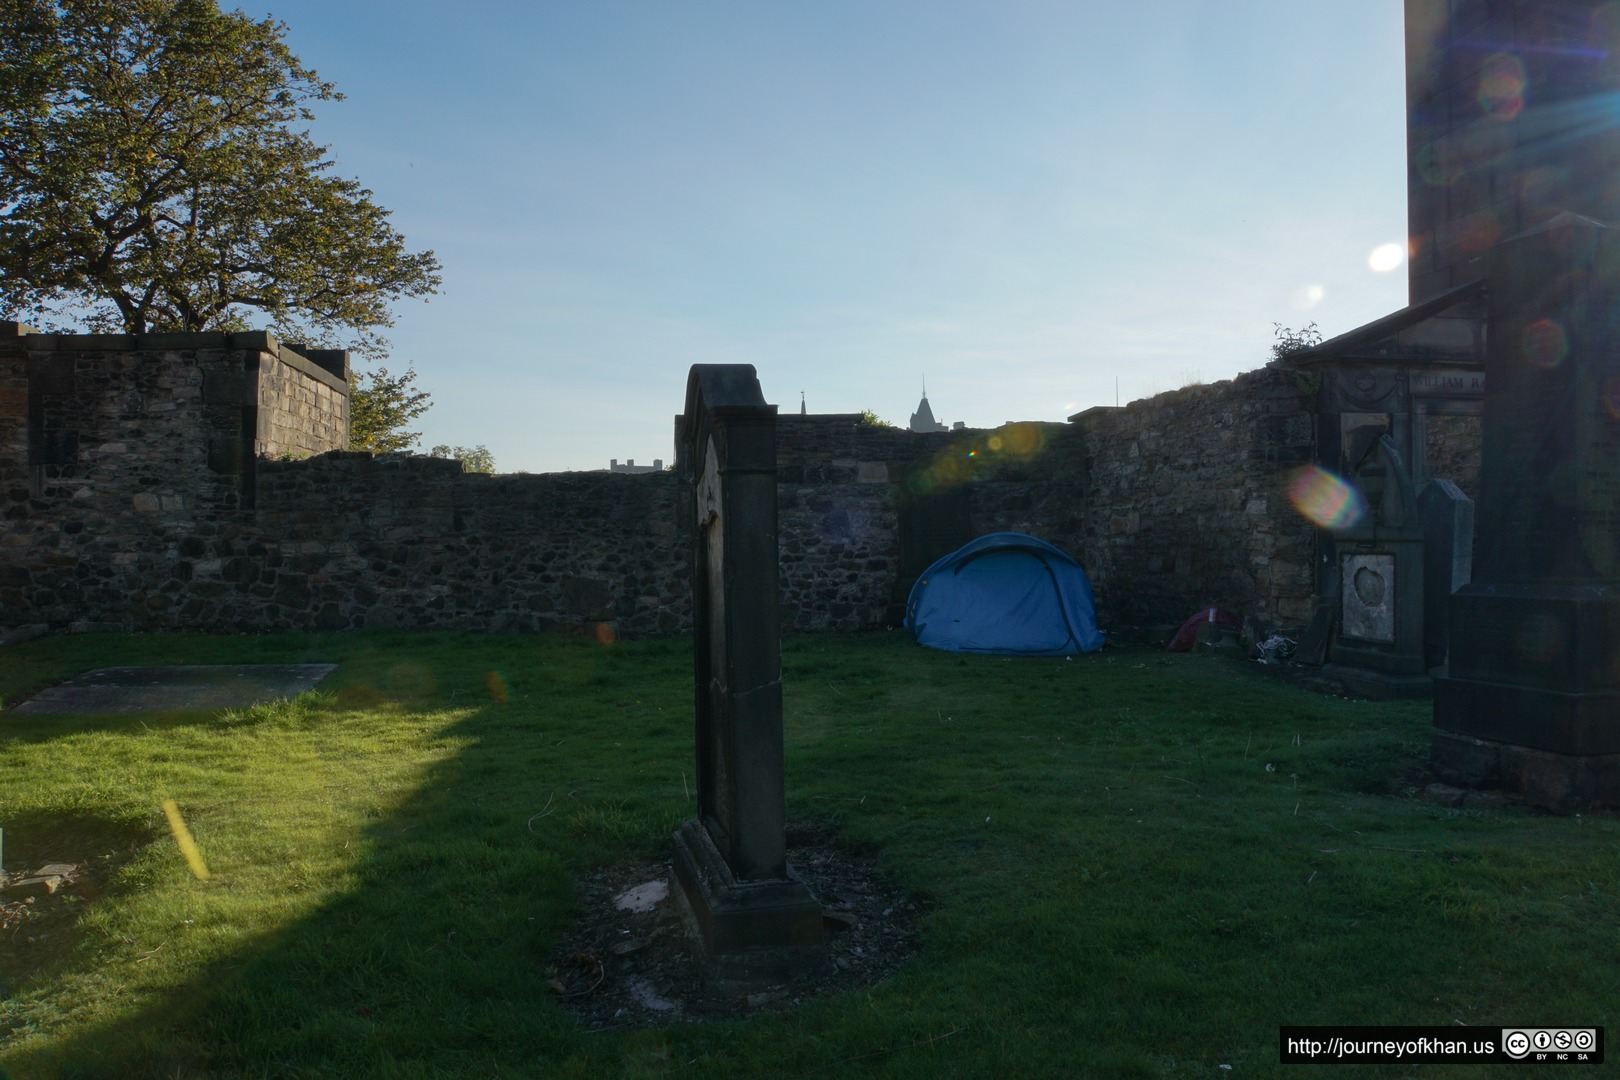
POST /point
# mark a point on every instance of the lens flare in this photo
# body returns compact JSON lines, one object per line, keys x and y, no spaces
{"x":1324,"y":499}
{"x":962,"y":461}
{"x":1306,"y":297}
{"x":1386,"y":257}
{"x":1545,"y":344}
{"x":1611,"y":398}
{"x":182,"y":837}
{"x":1476,"y":232}
{"x":1502,"y":84}
{"x":1023,"y":440}
{"x":1438,"y":162}
{"x":495,"y":683}
{"x":603,"y":632}
{"x":1542,"y":190}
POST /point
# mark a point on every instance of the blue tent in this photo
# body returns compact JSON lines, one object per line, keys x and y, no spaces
{"x":1005,"y":593}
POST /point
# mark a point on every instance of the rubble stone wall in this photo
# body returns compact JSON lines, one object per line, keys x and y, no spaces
{"x":1188,"y":507}
{"x":162,"y":484}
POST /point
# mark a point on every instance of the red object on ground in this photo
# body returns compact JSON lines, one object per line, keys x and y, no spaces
{"x":1188,"y":634}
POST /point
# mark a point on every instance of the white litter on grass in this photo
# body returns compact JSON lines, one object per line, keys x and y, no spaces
{"x":643,"y":897}
{"x":647,"y":997}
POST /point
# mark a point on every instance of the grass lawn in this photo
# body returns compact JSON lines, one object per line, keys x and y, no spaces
{"x":1133,"y":864}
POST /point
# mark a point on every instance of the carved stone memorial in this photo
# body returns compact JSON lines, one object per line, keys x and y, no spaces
{"x":1378,"y":650}
{"x":753,"y":921}
{"x":1532,"y":698}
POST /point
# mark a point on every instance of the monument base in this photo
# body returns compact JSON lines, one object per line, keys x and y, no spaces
{"x":1533,"y":665}
{"x":1563,"y":783}
{"x":747,"y":934}
{"x":1580,"y":723}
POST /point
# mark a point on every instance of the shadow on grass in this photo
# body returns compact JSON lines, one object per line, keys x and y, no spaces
{"x":438,"y":953}
{"x":39,"y":931}
{"x":31,"y":728}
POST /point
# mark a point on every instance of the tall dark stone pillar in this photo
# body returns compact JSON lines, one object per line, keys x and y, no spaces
{"x":755,"y":923}
{"x":1532,"y":698}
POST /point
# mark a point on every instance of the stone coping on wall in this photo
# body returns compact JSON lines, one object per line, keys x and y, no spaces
{"x":311,"y":368}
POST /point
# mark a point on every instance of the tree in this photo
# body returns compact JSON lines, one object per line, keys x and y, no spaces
{"x":151,"y":178}
{"x":380,"y":405}
{"x":871,"y":419}
{"x":473,"y":458}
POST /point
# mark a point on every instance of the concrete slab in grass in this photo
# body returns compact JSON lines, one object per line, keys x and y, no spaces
{"x":192,"y":687}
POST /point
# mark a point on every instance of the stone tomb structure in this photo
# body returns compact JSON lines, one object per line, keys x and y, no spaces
{"x":1395,"y":401}
{"x":753,"y":921}
{"x":1532,"y":698}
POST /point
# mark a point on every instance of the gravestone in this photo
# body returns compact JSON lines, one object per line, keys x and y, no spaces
{"x":753,"y":921}
{"x":1532,"y":699}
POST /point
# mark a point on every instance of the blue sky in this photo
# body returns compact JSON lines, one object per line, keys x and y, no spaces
{"x":1021,"y":202}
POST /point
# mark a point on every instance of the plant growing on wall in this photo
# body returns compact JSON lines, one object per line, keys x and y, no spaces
{"x":152,"y":179}
{"x":476,"y":459}
{"x":1289,"y":341}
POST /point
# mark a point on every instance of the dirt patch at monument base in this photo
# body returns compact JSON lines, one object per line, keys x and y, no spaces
{"x":56,"y":869}
{"x":627,"y":968}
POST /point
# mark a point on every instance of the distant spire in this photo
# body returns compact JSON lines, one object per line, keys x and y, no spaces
{"x":923,"y":418}
{"x":802,"y":411}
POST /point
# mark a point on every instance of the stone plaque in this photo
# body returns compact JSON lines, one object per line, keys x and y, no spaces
{"x":1368,"y":584}
{"x":1455,"y":384}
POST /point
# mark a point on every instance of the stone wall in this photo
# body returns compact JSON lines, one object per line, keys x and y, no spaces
{"x":1451,"y":446}
{"x":838,"y":519}
{"x":69,"y":402}
{"x":118,"y":448}
{"x":351,"y":540}
{"x":1187,"y":503}
{"x":149,"y":527}
{"x":845,"y":491}
{"x":303,"y":408}
{"x":158,"y":485}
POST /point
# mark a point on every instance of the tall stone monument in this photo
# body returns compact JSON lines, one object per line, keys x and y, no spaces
{"x":754,"y":922}
{"x":1532,"y":699}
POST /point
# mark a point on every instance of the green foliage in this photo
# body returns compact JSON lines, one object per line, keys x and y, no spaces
{"x":1291,"y":341}
{"x":380,"y":405}
{"x":1308,"y":382}
{"x":476,"y":459}
{"x":151,"y":178}
{"x":871,"y":419}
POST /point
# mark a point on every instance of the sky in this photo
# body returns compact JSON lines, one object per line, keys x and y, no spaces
{"x":1032,"y":206}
